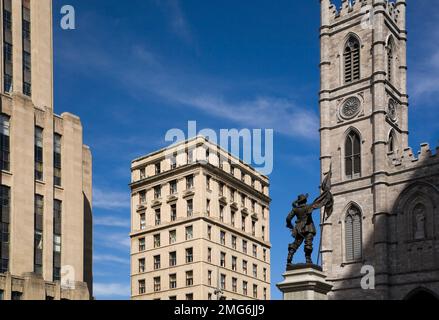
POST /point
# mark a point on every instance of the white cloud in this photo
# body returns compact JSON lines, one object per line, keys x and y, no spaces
{"x":177,"y":19}
{"x":111,"y":290}
{"x":111,"y":258}
{"x":113,"y":240}
{"x":108,"y":221}
{"x":110,"y":200}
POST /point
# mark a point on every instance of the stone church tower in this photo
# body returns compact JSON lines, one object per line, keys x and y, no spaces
{"x":386,"y":212}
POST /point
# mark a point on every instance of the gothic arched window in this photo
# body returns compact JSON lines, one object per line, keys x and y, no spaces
{"x":352,"y":60}
{"x":390,"y":60}
{"x":353,"y":155}
{"x":353,"y":234}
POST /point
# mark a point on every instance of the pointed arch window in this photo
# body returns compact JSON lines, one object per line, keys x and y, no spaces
{"x":352,"y":60}
{"x":390,"y":53}
{"x":353,"y":234}
{"x":353,"y":155}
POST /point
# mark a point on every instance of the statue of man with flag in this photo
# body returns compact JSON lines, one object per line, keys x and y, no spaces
{"x":304,"y":230}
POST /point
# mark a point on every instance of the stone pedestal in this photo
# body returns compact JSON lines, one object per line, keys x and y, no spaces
{"x":304,"y":282}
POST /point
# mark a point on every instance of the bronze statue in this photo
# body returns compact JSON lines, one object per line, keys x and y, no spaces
{"x":305,"y":230}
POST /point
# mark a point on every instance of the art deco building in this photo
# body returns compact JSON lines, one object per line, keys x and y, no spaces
{"x":200,"y":226}
{"x":46,"y":186}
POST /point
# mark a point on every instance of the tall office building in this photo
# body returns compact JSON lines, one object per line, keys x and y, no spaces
{"x":46,"y":187}
{"x":200,"y":226}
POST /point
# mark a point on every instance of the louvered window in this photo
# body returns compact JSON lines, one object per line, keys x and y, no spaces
{"x":390,"y":62}
{"x":352,"y":60}
{"x":353,"y":234}
{"x":353,"y":155}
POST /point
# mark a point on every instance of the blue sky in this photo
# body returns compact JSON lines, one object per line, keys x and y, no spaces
{"x":134,"y":69}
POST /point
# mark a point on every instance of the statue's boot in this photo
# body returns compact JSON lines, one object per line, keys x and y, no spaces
{"x":291,"y":253}
{"x":308,"y":257}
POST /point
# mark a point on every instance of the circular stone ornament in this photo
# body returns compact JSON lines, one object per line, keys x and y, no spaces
{"x":392,"y":110}
{"x":351,"y":108}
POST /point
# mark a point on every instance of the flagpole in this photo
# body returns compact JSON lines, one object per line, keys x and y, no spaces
{"x":321,"y":237}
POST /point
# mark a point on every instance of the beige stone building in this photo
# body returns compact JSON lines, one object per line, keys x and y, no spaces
{"x":46,"y":186}
{"x":386,"y":197}
{"x":200,"y":226}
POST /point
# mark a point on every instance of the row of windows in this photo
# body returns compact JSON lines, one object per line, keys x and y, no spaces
{"x":189,"y":160}
{"x":5,"y":198}
{"x":189,"y":276}
{"x":352,"y":60}
{"x":38,"y":154}
{"x":189,"y":235}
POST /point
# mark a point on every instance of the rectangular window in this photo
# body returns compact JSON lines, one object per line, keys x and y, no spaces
{"x":38,"y":154}
{"x":244,"y":288}
{"x":142,"y":265}
{"x":157,"y":192}
{"x":157,"y":284}
{"x":243,"y":222}
{"x":234,"y":241}
{"x":5,"y":142}
{"x":57,"y":160}
{"x":189,"y":278}
{"x":57,"y":233}
{"x":190,"y":208}
{"x":189,"y":255}
{"x":223,"y":259}
{"x":1,"y":295}
{"x":254,"y":228}
{"x":190,"y":182}
{"x":142,"y":197}
{"x":265,"y":254}
{"x":173,"y":281}
{"x":142,"y":221}
{"x":255,"y":271}
{"x":223,"y":238}
{"x":7,"y":45}
{"x":174,"y":161}
{"x":172,"y":236}
{"x":4,"y":228}
{"x":157,"y":262}
{"x":158,"y":168}
{"x":255,"y":251}
{"x":173,"y":187}
{"x":244,"y":246}
{"x":142,"y":173}
{"x":173,"y":259}
{"x":221,"y":213}
{"x":263,"y":233}
{"x":234,"y":285}
{"x":190,"y":156}
{"x":209,"y":255}
{"x":142,"y":286}
{"x":223,"y":282}
{"x":173,"y":213}
{"x":265,"y":293}
{"x":157,"y":241}
{"x":244,"y":266}
{"x":158,"y":217}
{"x":209,"y":278}
{"x":189,"y":233}
{"x":38,"y":234}
{"x":221,"y":189}
{"x":16,"y":295}
{"x":265,"y":274}
{"x":172,"y":298}
{"x":255,"y":291}
{"x":190,"y":297}
{"x":234,"y":263}
{"x":233,"y":218}
{"x":208,"y":207}
{"x":142,"y":245}
{"x":208,"y":180}
{"x":209,"y":232}
{"x":26,"y":38}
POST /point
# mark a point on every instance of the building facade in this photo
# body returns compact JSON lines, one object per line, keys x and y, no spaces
{"x":46,"y":185}
{"x":386,"y":214}
{"x":200,"y":226}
